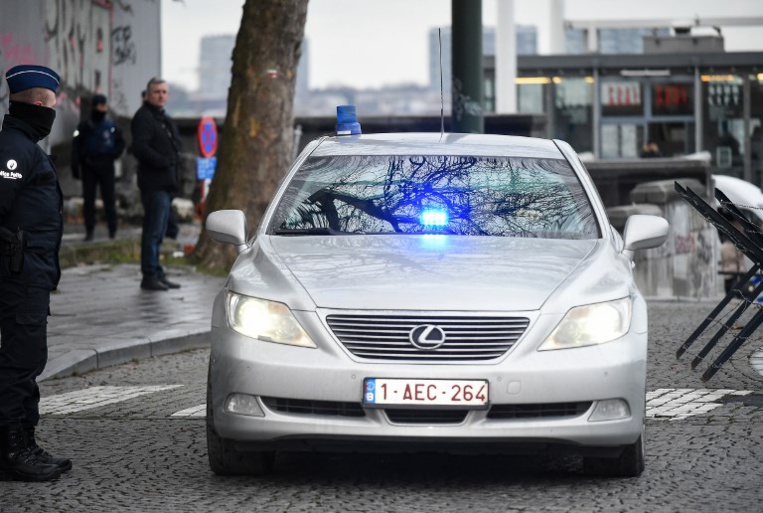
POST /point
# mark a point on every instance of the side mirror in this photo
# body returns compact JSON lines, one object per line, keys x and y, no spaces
{"x":644,"y":232}
{"x":228,"y":227}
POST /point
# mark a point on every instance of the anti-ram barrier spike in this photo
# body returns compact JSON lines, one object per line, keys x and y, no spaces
{"x":750,"y":242}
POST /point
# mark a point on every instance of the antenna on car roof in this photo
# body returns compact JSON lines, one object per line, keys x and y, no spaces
{"x":442,"y":101}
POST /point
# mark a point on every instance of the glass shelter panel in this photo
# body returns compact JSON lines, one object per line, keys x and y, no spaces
{"x":723,"y":137}
{"x":672,"y":99}
{"x":621,"y":98}
{"x":621,"y":140}
{"x":573,"y":112}
{"x":756,"y":127}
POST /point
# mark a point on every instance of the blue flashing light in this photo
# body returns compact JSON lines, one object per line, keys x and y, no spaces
{"x":434,"y":218}
{"x":347,"y":120}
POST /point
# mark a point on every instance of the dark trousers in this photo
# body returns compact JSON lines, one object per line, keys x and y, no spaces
{"x":23,"y":351}
{"x":156,"y":211}
{"x":92,"y":178}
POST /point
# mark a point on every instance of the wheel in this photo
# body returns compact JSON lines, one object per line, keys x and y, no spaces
{"x":630,"y":463}
{"x":224,"y":460}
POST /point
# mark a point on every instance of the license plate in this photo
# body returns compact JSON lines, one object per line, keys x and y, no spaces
{"x":425,"y":392}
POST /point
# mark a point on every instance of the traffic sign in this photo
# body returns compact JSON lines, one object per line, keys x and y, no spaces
{"x":207,"y":135}
{"x":205,"y":168}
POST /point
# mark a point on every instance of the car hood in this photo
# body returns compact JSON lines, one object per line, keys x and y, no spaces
{"x":411,"y":272}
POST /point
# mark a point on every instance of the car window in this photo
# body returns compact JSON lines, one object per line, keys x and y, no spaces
{"x":457,"y":195}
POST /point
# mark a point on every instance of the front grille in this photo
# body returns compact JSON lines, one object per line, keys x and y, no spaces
{"x":306,"y":407}
{"x":386,"y":337}
{"x":534,"y":411}
{"x":406,"y":416}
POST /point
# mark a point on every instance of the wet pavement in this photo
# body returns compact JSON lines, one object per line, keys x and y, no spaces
{"x":101,"y":317}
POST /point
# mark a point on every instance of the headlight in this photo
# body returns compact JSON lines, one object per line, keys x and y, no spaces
{"x":265,"y":320}
{"x":590,"y":325}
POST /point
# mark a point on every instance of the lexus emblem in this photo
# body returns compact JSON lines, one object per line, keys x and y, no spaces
{"x":427,"y":336}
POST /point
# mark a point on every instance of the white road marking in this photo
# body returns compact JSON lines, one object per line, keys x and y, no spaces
{"x":196,"y":411}
{"x":680,"y":403}
{"x":663,"y":403}
{"x":95,"y":397}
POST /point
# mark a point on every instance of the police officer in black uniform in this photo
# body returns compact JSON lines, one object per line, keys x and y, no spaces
{"x":31,"y":225}
{"x":97,"y":143}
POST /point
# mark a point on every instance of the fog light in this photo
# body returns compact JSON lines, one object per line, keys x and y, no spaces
{"x":610,"y":409}
{"x":243,"y":404}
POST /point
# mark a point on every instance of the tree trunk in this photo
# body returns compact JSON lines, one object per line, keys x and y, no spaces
{"x":256,"y":146}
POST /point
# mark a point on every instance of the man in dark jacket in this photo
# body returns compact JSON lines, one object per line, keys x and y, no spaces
{"x":31,"y":225}
{"x":156,"y":145}
{"x":97,"y":143}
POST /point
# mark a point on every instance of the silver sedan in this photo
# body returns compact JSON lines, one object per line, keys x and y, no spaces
{"x":415,"y":292}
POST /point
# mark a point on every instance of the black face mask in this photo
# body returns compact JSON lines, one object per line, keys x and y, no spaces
{"x":38,"y":117}
{"x":97,"y":116}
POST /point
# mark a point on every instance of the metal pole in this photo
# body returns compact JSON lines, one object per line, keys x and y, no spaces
{"x":747,"y":112}
{"x":596,"y":112}
{"x":505,"y":59}
{"x":698,"y":120}
{"x":467,"y":69}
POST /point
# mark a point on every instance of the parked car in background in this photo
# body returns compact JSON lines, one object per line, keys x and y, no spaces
{"x":415,"y":292}
{"x":745,"y":195}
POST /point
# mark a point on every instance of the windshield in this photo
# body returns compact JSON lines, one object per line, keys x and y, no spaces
{"x":455,"y":195}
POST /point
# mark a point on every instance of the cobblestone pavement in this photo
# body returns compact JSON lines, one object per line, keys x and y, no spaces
{"x":137,"y":441}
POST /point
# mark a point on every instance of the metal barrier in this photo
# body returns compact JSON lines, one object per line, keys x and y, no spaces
{"x":749,"y":241}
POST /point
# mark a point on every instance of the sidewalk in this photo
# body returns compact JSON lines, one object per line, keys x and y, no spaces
{"x":100,"y":316}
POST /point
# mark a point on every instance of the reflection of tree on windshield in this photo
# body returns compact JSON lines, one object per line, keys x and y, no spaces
{"x":517,"y":197}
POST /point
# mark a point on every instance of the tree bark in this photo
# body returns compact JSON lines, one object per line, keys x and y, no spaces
{"x":256,"y":146}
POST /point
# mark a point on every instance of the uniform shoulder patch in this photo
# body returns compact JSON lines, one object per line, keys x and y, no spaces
{"x":10,"y":173}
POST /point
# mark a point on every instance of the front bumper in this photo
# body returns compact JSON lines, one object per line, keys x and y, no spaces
{"x":616,"y":370}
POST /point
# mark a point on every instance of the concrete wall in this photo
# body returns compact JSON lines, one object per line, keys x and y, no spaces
{"x":96,"y":46}
{"x":687,"y":264}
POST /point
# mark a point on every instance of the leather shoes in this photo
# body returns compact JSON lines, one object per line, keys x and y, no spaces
{"x":170,"y":284}
{"x":153,"y":283}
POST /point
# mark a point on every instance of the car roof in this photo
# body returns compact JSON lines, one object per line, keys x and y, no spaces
{"x":477,"y":145}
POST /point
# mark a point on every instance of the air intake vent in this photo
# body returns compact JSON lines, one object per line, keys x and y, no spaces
{"x":303,"y":407}
{"x":534,"y":411}
{"x":406,"y":416}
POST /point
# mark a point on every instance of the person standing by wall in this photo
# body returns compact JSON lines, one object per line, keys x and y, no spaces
{"x":31,"y":226}
{"x":156,"y":144}
{"x":97,"y":143}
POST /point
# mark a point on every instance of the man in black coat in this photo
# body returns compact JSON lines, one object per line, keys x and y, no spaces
{"x":156,"y":145}
{"x":97,"y":143}
{"x":31,"y":225}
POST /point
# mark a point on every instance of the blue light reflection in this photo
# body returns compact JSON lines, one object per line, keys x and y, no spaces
{"x":434,"y":240}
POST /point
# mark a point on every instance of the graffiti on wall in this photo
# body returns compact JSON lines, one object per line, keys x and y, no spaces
{"x":12,"y":53}
{"x":78,"y":37}
{"x":92,"y":44}
{"x":123,"y":46}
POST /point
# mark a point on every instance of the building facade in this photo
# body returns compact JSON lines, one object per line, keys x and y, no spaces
{"x":614,"y":106}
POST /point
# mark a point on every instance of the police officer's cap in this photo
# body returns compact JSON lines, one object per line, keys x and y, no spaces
{"x":28,"y":76}
{"x":98,"y":99}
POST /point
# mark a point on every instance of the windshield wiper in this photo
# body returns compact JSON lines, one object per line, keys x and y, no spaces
{"x":307,"y":231}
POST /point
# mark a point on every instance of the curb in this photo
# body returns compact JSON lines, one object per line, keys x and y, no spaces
{"x":80,"y":361}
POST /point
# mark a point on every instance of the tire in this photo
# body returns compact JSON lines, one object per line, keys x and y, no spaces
{"x":224,"y":460}
{"x":630,"y":463}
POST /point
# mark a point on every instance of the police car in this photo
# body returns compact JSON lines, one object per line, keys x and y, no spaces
{"x":417,"y":292}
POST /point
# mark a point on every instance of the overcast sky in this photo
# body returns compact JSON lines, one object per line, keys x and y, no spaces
{"x":370,"y":43}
